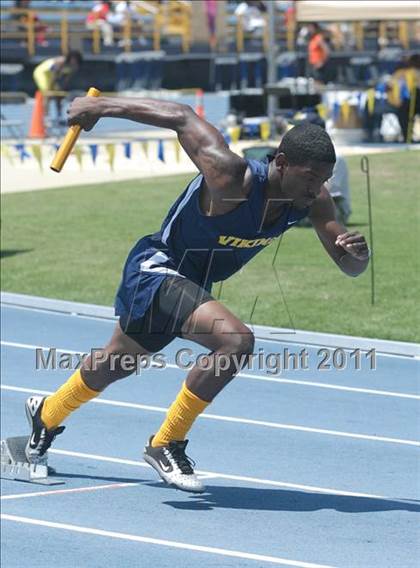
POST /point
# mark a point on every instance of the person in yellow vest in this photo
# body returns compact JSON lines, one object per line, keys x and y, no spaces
{"x":55,"y":73}
{"x":404,"y":94}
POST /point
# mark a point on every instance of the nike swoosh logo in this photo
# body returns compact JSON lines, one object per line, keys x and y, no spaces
{"x":32,"y":442}
{"x":291,"y":222}
{"x":164,"y":467}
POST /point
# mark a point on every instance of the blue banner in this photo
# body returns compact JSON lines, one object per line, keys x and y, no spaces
{"x":93,"y":152}
{"x":127,"y":150}
{"x":161,"y":151}
{"x":22,"y":152}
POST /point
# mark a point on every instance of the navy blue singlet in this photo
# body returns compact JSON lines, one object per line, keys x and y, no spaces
{"x":201,"y":248}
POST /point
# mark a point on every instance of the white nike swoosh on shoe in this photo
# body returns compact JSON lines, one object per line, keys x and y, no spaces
{"x":32,"y":441}
{"x":164,"y":467}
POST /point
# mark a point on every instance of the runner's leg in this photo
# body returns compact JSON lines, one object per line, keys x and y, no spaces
{"x":231,"y":344}
{"x":97,"y":372}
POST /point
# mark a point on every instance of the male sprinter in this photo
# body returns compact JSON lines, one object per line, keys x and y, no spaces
{"x":225,"y":216}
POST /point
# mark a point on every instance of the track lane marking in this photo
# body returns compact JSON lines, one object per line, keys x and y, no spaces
{"x":161,"y":542}
{"x":112,"y":320}
{"x":215,"y":475}
{"x":72,"y":490}
{"x":237,"y":420}
{"x":232,"y":477}
{"x":253,"y":377}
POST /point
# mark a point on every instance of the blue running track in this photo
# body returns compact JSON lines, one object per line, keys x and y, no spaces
{"x":305,"y":468}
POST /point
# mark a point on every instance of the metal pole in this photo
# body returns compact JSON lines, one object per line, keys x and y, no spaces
{"x":364,"y":166}
{"x":271,"y":61}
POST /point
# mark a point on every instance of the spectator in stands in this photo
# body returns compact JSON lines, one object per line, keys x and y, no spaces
{"x":342,"y":36}
{"x":23,"y":21}
{"x":145,"y":7}
{"x":55,"y":73}
{"x":404,"y":94}
{"x":98,"y":19}
{"x":289,"y":13}
{"x":123,"y":10}
{"x":318,"y":53}
{"x":252,"y":14}
{"x":211,"y":13}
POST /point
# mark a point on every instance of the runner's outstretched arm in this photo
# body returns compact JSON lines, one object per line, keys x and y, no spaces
{"x":348,"y":250}
{"x":204,"y":144}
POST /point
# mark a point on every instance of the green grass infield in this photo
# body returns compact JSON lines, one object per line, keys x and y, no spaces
{"x":71,"y":243}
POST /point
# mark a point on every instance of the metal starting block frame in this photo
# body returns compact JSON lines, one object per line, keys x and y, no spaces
{"x":14,"y":464}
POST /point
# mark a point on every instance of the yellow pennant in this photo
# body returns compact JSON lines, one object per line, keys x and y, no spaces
{"x":37,"y":154}
{"x":234,"y":133}
{"x":322,"y":111}
{"x":345,"y":111}
{"x":265,"y":130}
{"x":370,"y":97}
{"x":78,"y":152}
{"x":5,"y":151}
{"x":110,"y":150}
{"x":177,"y":150}
{"x":145,"y":147}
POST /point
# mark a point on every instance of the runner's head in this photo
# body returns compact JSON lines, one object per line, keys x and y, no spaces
{"x":73,"y":60}
{"x":313,"y":29}
{"x":304,"y":161}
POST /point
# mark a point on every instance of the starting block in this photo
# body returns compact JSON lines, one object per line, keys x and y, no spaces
{"x":14,"y":464}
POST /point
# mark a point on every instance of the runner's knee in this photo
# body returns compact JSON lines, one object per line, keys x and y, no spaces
{"x":239,"y":343}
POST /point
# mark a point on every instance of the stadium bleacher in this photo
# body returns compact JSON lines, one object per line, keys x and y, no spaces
{"x":156,"y":38}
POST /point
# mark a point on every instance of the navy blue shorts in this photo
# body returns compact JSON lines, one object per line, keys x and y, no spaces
{"x":173,"y":302}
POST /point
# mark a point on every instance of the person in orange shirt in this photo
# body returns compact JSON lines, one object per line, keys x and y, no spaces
{"x":318,"y":52}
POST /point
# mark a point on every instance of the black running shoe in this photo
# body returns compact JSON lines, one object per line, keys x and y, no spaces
{"x":40,"y":439}
{"x":173,"y":465}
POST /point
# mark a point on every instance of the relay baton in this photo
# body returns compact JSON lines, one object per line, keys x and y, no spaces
{"x":70,"y":139}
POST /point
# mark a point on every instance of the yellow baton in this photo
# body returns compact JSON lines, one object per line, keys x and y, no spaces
{"x":70,"y":139}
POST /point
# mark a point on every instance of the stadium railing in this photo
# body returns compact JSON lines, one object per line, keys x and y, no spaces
{"x":148,"y":29}
{"x":367,"y":36}
{"x":62,"y":22}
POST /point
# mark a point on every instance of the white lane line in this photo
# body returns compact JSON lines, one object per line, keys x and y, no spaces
{"x":237,"y":420}
{"x":161,"y":542}
{"x":206,"y":475}
{"x":317,"y":346}
{"x":255,"y":480}
{"x":105,"y":319}
{"x":60,"y":491}
{"x":280,"y":337}
{"x":252,"y":376}
{"x":326,"y":386}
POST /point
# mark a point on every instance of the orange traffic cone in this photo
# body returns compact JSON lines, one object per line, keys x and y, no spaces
{"x":199,"y":102}
{"x":37,"y":129}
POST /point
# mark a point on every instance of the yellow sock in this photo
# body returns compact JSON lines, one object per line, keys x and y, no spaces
{"x":181,"y":415}
{"x":64,"y":401}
